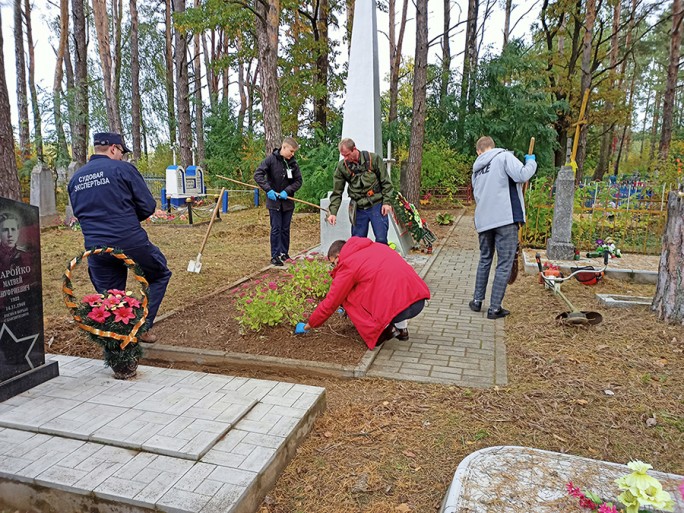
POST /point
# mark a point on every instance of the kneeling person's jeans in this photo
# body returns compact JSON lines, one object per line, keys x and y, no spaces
{"x":408,"y":313}
{"x":372,"y":215}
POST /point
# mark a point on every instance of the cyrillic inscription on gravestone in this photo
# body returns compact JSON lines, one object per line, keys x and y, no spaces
{"x":21,"y":296}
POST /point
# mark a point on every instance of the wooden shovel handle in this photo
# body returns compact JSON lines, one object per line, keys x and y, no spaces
{"x":211,"y":221}
{"x":531,"y":150}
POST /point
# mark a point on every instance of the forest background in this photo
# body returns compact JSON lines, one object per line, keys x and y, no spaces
{"x":227,"y":79}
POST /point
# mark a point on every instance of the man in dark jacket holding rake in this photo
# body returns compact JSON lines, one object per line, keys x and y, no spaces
{"x":280,"y":177}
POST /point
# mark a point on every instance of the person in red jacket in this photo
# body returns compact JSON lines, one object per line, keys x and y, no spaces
{"x":376,"y":287}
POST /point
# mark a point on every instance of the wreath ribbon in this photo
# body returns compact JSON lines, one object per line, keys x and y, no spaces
{"x":72,"y":303}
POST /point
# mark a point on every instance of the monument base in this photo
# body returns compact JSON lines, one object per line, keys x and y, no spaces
{"x":27,"y":380}
{"x":342,"y":229}
{"x":50,"y":220}
{"x":560,"y":250}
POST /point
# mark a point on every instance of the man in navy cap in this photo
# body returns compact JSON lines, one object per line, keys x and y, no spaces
{"x":110,"y":199}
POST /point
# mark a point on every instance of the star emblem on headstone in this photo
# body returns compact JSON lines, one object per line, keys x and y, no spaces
{"x":5,"y":330}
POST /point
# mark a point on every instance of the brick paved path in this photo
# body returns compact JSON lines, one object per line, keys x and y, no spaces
{"x":449,"y":343}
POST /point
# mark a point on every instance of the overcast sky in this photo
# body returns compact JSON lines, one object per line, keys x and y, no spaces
{"x":45,"y":57}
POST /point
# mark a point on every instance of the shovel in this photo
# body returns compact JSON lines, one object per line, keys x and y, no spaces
{"x":195,"y":266}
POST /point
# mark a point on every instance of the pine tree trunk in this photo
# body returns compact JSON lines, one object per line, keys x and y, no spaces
{"x":507,"y":21}
{"x":607,"y":137}
{"x":9,"y":181}
{"x":199,"y":107}
{"x":135,"y":82}
{"x":168,"y":54}
{"x":213,"y":91}
{"x":671,"y":84}
{"x":79,"y":136}
{"x":22,"y":98}
{"x":242,"y":89}
{"x":35,"y":107}
{"x":411,"y":189}
{"x":668,"y":301}
{"x":585,"y":83}
{"x":656,"y":123}
{"x":468,"y":65}
{"x":62,"y":149}
{"x":322,"y":65}
{"x":101,"y":20}
{"x":350,"y":22}
{"x":396,"y":44}
{"x":183,"y":91}
{"x":446,"y":59}
{"x":117,"y":18}
{"x":267,"y":23}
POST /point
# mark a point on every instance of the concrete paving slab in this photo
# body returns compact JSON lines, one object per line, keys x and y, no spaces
{"x":212,"y":442}
{"x":448,"y":342}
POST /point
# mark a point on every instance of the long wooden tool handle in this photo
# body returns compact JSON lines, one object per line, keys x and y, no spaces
{"x":531,"y":146}
{"x":211,"y":221}
{"x":257,"y":187}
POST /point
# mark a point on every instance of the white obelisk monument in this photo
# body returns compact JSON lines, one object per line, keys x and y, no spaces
{"x":361,"y":121}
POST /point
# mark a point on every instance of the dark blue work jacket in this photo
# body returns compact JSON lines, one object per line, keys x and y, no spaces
{"x":110,"y":198}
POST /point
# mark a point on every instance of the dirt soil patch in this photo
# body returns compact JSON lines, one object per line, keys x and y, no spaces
{"x":211,"y":323}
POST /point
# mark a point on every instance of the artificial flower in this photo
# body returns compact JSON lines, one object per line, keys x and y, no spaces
{"x":639,"y":489}
{"x":111,"y":302}
{"x":132,"y":302}
{"x":99,"y":314}
{"x":607,"y":508}
{"x":123,"y":314}
{"x":92,"y":299}
{"x":272,"y":285}
{"x":116,"y":292}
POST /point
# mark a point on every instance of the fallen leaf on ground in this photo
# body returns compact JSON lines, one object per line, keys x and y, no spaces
{"x":403,"y":508}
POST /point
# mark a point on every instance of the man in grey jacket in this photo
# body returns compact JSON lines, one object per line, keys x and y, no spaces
{"x":499,"y":212}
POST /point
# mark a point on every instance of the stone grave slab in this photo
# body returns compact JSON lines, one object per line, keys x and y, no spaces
{"x":167,"y":440}
{"x":521,"y":479}
{"x":619,"y":301}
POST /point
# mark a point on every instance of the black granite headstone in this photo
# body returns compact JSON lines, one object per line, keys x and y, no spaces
{"x":22,"y":352}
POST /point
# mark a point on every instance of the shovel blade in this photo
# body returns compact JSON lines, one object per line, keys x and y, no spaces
{"x":195,"y":266}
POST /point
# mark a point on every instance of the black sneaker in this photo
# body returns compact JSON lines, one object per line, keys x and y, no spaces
{"x":276,"y":261}
{"x":475,"y":305}
{"x":403,"y":334}
{"x":499,"y":313}
{"x":284,"y":257}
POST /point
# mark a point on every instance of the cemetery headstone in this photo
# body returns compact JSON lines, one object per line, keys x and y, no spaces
{"x":69,"y":211}
{"x":361,"y":120}
{"x":22,"y":351}
{"x":559,"y":246}
{"x":62,"y":176}
{"x":43,"y":194}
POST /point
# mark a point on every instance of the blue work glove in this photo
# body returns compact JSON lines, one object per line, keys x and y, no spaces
{"x":530,"y":157}
{"x":283,"y":195}
{"x":272,"y":195}
{"x":299,"y":329}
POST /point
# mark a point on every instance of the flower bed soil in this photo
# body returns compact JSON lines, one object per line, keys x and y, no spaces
{"x":211,"y":323}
